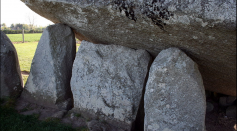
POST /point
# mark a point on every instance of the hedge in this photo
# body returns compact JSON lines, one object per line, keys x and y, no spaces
{"x":20,"y":31}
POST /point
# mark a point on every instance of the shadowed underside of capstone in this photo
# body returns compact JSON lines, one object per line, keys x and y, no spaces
{"x":205,"y":30}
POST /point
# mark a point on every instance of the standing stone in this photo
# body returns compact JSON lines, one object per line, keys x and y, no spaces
{"x":11,"y":81}
{"x":49,"y":80}
{"x":175,"y":96}
{"x":107,"y":82}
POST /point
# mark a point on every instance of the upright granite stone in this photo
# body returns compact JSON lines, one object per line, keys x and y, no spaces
{"x":11,"y":81}
{"x":107,"y":82}
{"x":49,"y":81}
{"x":204,"y":29}
{"x":175,"y":96}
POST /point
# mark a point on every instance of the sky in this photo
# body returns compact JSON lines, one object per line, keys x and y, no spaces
{"x":15,"y":11}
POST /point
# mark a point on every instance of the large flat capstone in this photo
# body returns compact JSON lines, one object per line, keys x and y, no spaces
{"x":175,"y":96}
{"x":49,"y":81}
{"x":107,"y":82}
{"x":205,"y":30}
{"x":11,"y":82}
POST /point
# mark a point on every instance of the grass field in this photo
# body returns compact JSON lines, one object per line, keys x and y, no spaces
{"x":28,"y":37}
{"x":25,"y":52}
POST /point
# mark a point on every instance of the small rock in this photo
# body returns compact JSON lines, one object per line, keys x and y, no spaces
{"x":72,"y":115}
{"x":222,"y":101}
{"x":230,"y":100}
{"x":231,"y":111}
{"x":31,"y":112}
{"x":210,"y":107}
{"x":95,"y":125}
{"x":59,"y":114}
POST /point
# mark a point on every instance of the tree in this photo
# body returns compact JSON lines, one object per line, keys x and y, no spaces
{"x":31,"y":19}
{"x":12,"y":26}
{"x":3,"y":26}
{"x":18,"y":26}
{"x":26,"y":27}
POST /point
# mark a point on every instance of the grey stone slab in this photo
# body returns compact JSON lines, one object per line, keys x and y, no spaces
{"x":107,"y":82}
{"x":49,"y":81}
{"x":11,"y":81}
{"x":175,"y":96}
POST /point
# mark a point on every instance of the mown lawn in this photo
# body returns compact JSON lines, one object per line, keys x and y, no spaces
{"x":28,"y":37}
{"x":25,"y":52}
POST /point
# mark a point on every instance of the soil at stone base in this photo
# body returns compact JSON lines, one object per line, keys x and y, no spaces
{"x":215,"y":120}
{"x":25,"y":73}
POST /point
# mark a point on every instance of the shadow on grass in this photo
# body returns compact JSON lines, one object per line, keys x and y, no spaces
{"x":11,"y":120}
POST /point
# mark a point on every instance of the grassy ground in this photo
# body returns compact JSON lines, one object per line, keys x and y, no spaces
{"x":25,"y":52}
{"x":11,"y":120}
{"x":28,"y":37}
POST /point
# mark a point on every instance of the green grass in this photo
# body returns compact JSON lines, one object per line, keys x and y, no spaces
{"x":26,"y":52}
{"x":12,"y":121}
{"x":77,"y":46}
{"x":24,"y":78}
{"x":28,"y":37}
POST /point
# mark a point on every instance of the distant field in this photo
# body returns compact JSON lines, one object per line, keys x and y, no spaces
{"x":28,"y":37}
{"x":25,"y":52}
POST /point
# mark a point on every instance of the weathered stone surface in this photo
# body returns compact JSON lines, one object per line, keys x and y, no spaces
{"x":95,"y":125}
{"x":222,"y":101}
{"x":230,"y":99}
{"x":49,"y":81}
{"x":11,"y":81}
{"x":209,"y":107}
{"x":205,"y":30}
{"x":175,"y":97}
{"x":59,"y":114}
{"x":231,"y":111}
{"x":107,"y":82}
{"x":226,"y":100}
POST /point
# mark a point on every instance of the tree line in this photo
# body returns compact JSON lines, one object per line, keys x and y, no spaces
{"x":17,"y":28}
